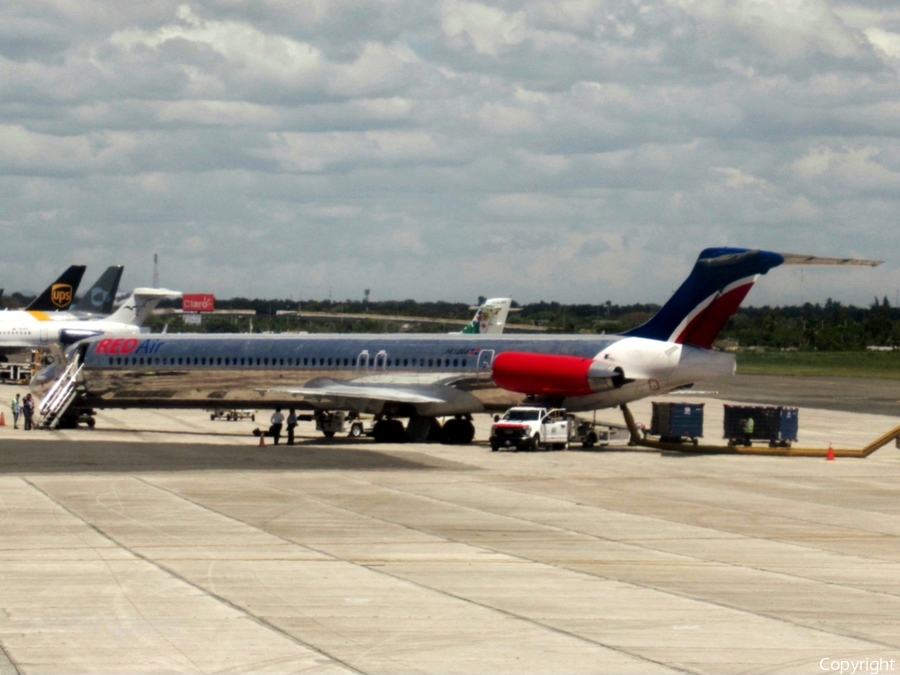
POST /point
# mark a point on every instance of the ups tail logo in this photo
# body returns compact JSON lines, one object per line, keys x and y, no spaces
{"x":61,"y":295}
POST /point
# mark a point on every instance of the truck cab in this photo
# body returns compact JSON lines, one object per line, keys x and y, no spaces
{"x":530,"y":428}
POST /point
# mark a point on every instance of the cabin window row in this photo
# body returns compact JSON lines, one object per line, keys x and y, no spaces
{"x":315,"y":362}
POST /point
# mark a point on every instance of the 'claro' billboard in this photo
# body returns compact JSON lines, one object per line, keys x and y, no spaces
{"x":198,"y":302}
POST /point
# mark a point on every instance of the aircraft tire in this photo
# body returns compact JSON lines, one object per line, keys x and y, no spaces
{"x":467,"y":432}
{"x":434,"y":432}
{"x":419,"y":429}
{"x":380,"y":431}
{"x":398,"y":433}
{"x":328,"y":434}
{"x":448,"y":432}
{"x":389,"y":431}
{"x":457,"y":431}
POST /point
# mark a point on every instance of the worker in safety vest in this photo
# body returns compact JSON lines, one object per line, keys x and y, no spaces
{"x":16,"y":408}
{"x":748,"y":427}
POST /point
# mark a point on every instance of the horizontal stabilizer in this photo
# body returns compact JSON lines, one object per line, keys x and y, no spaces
{"x":140,"y":304}
{"x":797,"y":259}
{"x":155,"y":293}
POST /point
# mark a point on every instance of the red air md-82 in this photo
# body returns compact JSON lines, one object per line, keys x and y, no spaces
{"x":423,"y":378}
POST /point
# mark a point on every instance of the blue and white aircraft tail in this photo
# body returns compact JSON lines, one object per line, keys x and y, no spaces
{"x":719,"y":282}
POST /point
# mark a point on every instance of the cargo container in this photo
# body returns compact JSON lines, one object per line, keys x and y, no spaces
{"x":777,"y":425}
{"x":675,"y":422}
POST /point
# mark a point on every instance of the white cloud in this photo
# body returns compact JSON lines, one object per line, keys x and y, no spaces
{"x":321,"y":151}
{"x":788,"y":28}
{"x":736,"y":179}
{"x":505,"y":119}
{"x":855,"y":167}
{"x":488,"y":28}
{"x":886,"y":41}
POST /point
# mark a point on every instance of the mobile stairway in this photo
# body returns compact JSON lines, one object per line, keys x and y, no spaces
{"x":61,"y":395}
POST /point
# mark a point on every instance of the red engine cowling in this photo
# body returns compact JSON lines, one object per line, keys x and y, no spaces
{"x":551,"y":375}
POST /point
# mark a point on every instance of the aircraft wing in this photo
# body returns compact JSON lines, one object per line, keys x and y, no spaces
{"x":372,"y":397}
{"x":13,"y":344}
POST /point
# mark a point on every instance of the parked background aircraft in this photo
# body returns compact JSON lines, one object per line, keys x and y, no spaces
{"x":61,"y":293}
{"x":422,"y":378}
{"x":490,"y":317}
{"x":99,"y":299}
{"x":22,"y":329}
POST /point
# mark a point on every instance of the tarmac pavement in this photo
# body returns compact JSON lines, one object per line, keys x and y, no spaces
{"x":165,"y":542}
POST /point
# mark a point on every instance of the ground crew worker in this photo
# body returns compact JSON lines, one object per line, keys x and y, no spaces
{"x":291,"y":425}
{"x":749,"y":426}
{"x":277,"y":422}
{"x":28,"y":410}
{"x":16,"y":407}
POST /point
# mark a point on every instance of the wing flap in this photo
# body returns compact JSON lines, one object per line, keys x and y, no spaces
{"x":427,"y":399}
{"x":356,"y":391}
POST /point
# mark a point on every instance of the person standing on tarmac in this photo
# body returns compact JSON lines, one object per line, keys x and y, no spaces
{"x":16,"y":407}
{"x":28,"y":410}
{"x":277,"y":422}
{"x":749,"y":425}
{"x":291,"y":425}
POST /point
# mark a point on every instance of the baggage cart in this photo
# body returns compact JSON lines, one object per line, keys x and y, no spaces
{"x":777,"y":425}
{"x":677,"y":422}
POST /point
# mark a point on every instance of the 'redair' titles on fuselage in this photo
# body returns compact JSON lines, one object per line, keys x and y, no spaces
{"x":123,"y":346}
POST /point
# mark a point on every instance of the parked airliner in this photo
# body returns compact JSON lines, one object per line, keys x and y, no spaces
{"x":59,"y":295}
{"x":424,"y":377}
{"x":23,"y":329}
{"x":490,"y":317}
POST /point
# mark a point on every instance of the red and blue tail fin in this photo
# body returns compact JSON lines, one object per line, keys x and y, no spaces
{"x":701,"y":307}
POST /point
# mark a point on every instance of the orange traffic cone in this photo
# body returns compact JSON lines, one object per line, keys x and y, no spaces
{"x":262,"y":440}
{"x":2,"y":420}
{"x":830,"y":456}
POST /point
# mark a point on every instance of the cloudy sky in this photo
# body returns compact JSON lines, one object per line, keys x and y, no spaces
{"x":570,"y":150}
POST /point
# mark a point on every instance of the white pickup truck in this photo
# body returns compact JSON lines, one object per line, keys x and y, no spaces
{"x":527,"y":428}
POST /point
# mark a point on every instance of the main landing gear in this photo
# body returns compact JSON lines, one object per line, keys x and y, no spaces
{"x":457,"y":430}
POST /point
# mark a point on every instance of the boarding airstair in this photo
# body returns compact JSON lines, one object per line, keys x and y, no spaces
{"x":61,"y":394}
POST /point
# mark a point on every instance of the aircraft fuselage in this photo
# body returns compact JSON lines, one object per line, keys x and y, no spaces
{"x":394,"y":374}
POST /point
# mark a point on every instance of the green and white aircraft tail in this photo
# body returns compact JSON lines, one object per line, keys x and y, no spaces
{"x":490,"y":318}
